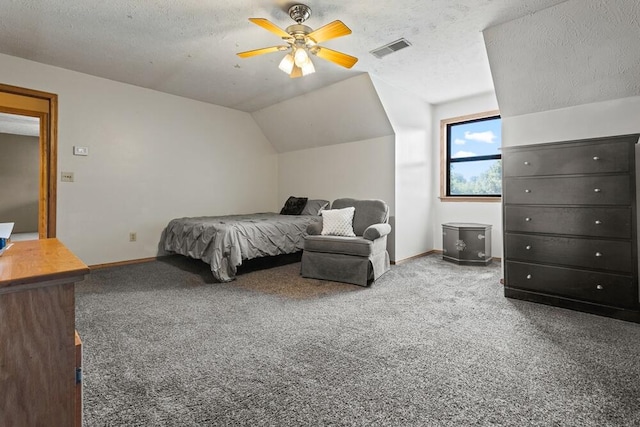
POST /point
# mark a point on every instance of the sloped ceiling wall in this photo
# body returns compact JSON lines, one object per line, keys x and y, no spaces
{"x":343,"y":112}
{"x":575,"y":53}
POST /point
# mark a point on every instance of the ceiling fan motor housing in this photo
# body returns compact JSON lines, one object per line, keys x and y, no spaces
{"x":299,"y":13}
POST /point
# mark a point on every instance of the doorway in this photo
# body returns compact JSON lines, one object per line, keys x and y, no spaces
{"x":30,"y":103}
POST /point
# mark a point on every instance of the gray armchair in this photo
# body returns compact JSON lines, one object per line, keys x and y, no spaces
{"x":359,"y":260}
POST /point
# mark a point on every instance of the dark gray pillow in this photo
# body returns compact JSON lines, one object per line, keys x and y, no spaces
{"x":293,"y":206}
{"x":314,"y":206}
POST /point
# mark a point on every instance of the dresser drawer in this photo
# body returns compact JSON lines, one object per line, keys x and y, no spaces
{"x":567,"y":159}
{"x":588,"y":253}
{"x":580,"y":190}
{"x":601,"y":288}
{"x":612,"y":222}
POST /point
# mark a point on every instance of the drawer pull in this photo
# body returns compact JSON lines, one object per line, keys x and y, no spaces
{"x":597,"y":190}
{"x":599,"y":287}
{"x":480,"y":236}
{"x":598,"y":254}
{"x":481,"y":255}
{"x":528,"y":277}
{"x":596,"y":158}
{"x":527,"y":191}
{"x":527,"y":219}
{"x":598,"y":222}
{"x":528,"y":247}
{"x":527,"y":163}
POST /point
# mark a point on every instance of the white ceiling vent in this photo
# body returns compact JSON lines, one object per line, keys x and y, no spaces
{"x":390,"y":48}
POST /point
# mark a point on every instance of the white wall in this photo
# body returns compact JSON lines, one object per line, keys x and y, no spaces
{"x":411,"y":118}
{"x":359,"y":169}
{"x":152,"y":157}
{"x":484,"y":213}
{"x":334,"y":142}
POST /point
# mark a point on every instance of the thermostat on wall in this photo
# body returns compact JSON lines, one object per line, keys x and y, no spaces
{"x":80,"y":151}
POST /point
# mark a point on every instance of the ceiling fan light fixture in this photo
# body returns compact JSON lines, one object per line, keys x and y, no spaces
{"x":301,"y":57}
{"x":308,"y":68}
{"x":287,"y":63}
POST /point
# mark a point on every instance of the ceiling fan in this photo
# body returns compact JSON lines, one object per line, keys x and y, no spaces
{"x":303,"y":41}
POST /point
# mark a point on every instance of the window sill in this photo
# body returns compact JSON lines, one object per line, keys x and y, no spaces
{"x":470,"y":199}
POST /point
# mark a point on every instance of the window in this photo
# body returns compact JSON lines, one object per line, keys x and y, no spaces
{"x":471,"y":168}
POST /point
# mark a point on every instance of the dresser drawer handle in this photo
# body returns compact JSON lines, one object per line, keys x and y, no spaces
{"x":598,"y":254}
{"x":596,"y":158}
{"x":528,"y":277}
{"x":527,"y":191}
{"x":481,"y":255}
{"x":597,"y":190}
{"x":599,"y":287}
{"x":481,"y":236}
{"x":598,"y":222}
{"x":527,"y":219}
{"x":527,"y":163}
{"x":528,"y":247}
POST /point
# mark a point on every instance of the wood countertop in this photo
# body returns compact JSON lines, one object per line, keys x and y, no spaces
{"x":36,"y":261}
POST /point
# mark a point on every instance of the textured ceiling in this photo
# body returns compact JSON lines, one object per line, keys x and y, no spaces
{"x":187,"y":47}
{"x":577,"y":53}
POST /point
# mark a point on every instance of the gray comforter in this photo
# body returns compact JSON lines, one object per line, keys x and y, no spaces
{"x":224,"y":241}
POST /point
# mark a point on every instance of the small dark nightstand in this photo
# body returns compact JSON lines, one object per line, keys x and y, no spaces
{"x":466,"y":243}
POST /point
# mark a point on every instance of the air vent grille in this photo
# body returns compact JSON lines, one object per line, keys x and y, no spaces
{"x":390,"y":48}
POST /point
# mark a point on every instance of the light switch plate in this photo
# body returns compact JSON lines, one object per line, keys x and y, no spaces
{"x":80,"y":151}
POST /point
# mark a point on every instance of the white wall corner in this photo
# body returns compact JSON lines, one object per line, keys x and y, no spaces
{"x":483,"y":213}
{"x":411,"y":118}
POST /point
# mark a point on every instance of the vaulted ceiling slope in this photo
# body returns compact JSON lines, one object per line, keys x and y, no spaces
{"x":575,"y":53}
{"x":188,"y":47}
{"x":346,"y":111}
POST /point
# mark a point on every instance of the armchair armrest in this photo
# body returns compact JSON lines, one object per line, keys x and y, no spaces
{"x":376,"y":231}
{"x":314,"y":229}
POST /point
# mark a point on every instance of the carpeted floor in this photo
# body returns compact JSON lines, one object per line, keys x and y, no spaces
{"x":429,"y":344}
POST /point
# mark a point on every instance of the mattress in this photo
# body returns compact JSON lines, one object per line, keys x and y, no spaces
{"x":224,"y":242}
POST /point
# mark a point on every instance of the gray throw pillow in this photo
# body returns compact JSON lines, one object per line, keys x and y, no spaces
{"x":314,"y":207}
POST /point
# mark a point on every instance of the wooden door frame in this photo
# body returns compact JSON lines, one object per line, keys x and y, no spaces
{"x":29,"y":102}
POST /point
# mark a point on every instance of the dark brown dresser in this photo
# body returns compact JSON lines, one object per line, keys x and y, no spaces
{"x":570,"y":225}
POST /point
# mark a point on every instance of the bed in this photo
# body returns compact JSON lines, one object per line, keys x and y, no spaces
{"x":224,"y":242}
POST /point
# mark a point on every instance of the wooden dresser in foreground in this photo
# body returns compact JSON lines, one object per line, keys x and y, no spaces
{"x":37,"y":334}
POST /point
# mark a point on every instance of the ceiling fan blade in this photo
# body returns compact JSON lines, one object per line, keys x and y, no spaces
{"x":330,"y":31}
{"x":295,"y":72}
{"x":270,"y":26}
{"x":336,"y":57}
{"x":255,"y":52}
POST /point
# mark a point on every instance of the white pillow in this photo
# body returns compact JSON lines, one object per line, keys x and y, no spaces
{"x":338,"y":222}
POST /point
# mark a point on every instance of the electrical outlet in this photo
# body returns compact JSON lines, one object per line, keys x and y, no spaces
{"x":133,"y":236}
{"x":66,"y":176}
